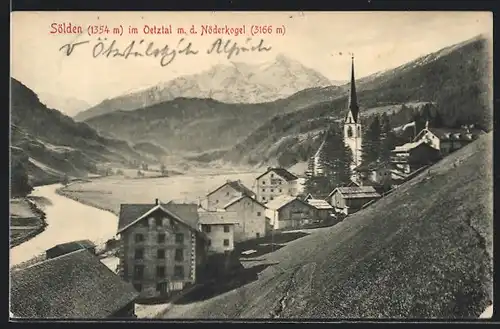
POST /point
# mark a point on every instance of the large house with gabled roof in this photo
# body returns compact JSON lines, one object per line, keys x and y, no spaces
{"x":227,"y":192}
{"x":251,"y":217}
{"x":275,"y":182}
{"x":161,"y":247}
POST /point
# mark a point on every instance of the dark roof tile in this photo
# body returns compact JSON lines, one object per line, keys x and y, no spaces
{"x":75,"y":285}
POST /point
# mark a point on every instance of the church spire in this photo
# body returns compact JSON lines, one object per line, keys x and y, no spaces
{"x":353,"y":98}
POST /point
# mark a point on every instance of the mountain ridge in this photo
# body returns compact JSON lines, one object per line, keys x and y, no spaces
{"x":231,"y":83}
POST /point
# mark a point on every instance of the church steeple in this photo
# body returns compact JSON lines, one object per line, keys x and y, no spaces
{"x":353,"y":98}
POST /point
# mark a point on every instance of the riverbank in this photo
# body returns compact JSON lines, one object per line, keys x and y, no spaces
{"x":27,"y":220}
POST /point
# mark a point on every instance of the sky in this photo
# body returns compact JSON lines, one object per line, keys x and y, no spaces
{"x":319,"y":40}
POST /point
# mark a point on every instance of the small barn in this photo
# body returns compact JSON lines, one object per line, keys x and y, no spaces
{"x":351,"y":199}
{"x":65,"y":248}
{"x":322,"y":209}
{"x":287,"y":212}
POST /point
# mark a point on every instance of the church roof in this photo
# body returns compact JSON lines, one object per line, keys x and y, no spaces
{"x":353,"y":97}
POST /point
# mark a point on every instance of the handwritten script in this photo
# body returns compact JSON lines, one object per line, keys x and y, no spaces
{"x":165,"y":53}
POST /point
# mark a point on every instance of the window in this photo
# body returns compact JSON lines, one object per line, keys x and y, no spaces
{"x":162,"y":287}
{"x":272,"y":175}
{"x":139,"y":238}
{"x":272,"y":190}
{"x":359,"y":131}
{"x":257,"y":235}
{"x":226,"y":228}
{"x":349,"y":132}
{"x":139,"y":253}
{"x":160,"y":271}
{"x":158,"y":221}
{"x":179,"y":272}
{"x":138,"y":271}
{"x":179,"y":255}
{"x":161,"y":237}
{"x":263,"y":190}
{"x":226,"y":242}
{"x":271,"y":198}
{"x":216,"y":201}
{"x":258,"y":213}
{"x":160,"y":254}
{"x":138,"y":286}
{"x":209,"y":242}
{"x":207,"y":228}
{"x":227,"y":193}
{"x":179,"y":238}
{"x":263,"y":182}
{"x":281,"y":190}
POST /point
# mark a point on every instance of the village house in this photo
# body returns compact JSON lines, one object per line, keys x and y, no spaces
{"x":288,"y":212}
{"x":348,"y":200}
{"x":227,"y":192}
{"x":219,"y":227}
{"x":68,"y":247}
{"x":412,"y":156}
{"x":275,"y":182}
{"x":75,"y":285}
{"x":250,"y":217}
{"x":447,"y":140}
{"x":322,"y":209}
{"x":161,"y":248}
{"x":376,"y":174}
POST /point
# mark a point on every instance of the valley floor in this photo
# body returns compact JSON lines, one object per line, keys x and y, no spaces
{"x":109,"y":192}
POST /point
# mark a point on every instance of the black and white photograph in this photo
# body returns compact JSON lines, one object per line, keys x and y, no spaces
{"x":251,"y":165}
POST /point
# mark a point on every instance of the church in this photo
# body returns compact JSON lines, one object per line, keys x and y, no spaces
{"x":352,"y":132}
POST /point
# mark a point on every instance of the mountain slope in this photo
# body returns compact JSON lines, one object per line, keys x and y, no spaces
{"x":457,"y":79}
{"x":198,"y":125}
{"x":423,"y":251}
{"x":51,"y":144}
{"x":233,"y":83}
{"x":69,"y":106}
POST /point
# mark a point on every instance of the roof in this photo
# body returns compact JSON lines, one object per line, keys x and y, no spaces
{"x":186,"y":213}
{"x":408,"y":146}
{"x":353,"y":98}
{"x":74,"y":285}
{"x":319,"y":204}
{"x":373,"y":166}
{"x":285,"y":174}
{"x":73,"y":246}
{"x":452,"y":133}
{"x":357,"y":192}
{"x":217,"y":217}
{"x":236,"y":185}
{"x":241,"y":197}
{"x":282,"y":200}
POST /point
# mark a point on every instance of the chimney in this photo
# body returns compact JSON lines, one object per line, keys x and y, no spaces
{"x":156,"y":201}
{"x":427,"y":124}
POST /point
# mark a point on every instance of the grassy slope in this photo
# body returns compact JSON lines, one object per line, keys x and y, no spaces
{"x":423,"y":251}
{"x":54,"y":144}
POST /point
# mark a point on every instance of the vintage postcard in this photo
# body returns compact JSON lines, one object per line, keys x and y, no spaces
{"x":247,"y":165}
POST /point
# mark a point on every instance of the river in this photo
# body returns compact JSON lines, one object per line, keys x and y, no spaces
{"x":67,"y":220}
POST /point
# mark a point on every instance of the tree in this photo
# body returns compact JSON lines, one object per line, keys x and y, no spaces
{"x":163,"y":169}
{"x":145,"y":166}
{"x":437,"y":120}
{"x":65,"y":180}
{"x":336,"y":159}
{"x":371,"y":145}
{"x":20,"y":185}
{"x":388,"y":139}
